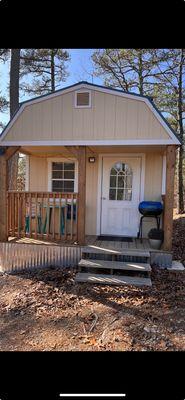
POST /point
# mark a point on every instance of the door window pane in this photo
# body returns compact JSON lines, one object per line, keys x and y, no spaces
{"x":120,"y":184}
{"x":112,"y":181}
{"x":121,"y":181}
{"x":112,"y":194}
{"x":120,"y":194}
{"x":113,"y":171}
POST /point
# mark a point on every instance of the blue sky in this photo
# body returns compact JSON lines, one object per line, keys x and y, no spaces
{"x":80,"y":68}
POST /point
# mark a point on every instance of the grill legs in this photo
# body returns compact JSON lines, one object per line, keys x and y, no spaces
{"x":140,"y":233}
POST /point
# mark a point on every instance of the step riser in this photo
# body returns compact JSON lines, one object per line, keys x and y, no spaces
{"x":115,"y":257}
{"x":144,"y":274}
{"x":114,"y":268}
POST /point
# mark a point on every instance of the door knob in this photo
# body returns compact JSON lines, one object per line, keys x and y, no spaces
{"x":103,"y":198}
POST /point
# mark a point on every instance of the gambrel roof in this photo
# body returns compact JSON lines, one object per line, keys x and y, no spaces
{"x":23,"y":136}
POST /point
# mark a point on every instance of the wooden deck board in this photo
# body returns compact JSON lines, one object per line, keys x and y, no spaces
{"x":91,"y":241}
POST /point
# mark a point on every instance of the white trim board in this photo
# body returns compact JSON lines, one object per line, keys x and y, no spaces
{"x":113,"y":142}
{"x":95,"y":88}
{"x":163,"y":190}
{"x":100,"y":171}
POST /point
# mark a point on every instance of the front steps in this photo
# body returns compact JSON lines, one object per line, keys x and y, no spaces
{"x":127,"y":267}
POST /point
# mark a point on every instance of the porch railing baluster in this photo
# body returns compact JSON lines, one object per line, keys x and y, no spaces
{"x":29,"y":214}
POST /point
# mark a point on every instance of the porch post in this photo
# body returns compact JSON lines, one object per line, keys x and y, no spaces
{"x":169,"y":197}
{"x":5,"y":155}
{"x":81,"y":194}
{"x":3,"y":198}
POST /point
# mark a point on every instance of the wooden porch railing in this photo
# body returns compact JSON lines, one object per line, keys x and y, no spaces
{"x":42,"y":215}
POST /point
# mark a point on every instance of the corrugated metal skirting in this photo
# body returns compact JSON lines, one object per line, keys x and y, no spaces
{"x":17,"y":256}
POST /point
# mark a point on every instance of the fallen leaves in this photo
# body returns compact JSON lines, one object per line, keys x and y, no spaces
{"x":44,"y":310}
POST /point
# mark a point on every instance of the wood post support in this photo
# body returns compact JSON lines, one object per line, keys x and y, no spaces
{"x":81,"y":195}
{"x":5,"y":155}
{"x":3,"y":198}
{"x":79,"y":152}
{"x":169,"y":198}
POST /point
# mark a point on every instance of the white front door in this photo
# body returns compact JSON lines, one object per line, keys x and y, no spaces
{"x":121,"y":184}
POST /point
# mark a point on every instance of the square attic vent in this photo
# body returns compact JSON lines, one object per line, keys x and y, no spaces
{"x":83,"y":99}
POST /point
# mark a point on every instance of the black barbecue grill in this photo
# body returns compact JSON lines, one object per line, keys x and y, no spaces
{"x":152,"y":209}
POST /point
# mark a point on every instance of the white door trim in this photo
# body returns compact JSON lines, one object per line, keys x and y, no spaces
{"x":100,"y":174}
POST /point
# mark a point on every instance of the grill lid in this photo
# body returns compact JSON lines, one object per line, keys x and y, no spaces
{"x":150,"y":208}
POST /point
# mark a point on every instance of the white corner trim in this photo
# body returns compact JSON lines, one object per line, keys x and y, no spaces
{"x":142,"y":177}
{"x":95,"y":88}
{"x":75,"y":98}
{"x":163,"y":190}
{"x":27,"y":177}
{"x":88,"y":142}
{"x":99,"y":194}
{"x":162,"y":122}
{"x":61,"y":159}
{"x":142,"y":157}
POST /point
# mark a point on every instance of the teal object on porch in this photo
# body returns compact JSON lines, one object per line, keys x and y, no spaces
{"x":62,"y":224}
{"x":27,"y":224}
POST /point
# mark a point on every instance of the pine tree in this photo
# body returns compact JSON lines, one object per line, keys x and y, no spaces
{"x":158,"y":73}
{"x":130,"y":69}
{"x":47,"y":66}
{"x":3,"y":107}
{"x":170,"y":96}
{"x":3,"y":101}
{"x":14,"y":105}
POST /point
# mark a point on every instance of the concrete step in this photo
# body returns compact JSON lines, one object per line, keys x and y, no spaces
{"x":112,"y":279}
{"x":124,"y":266}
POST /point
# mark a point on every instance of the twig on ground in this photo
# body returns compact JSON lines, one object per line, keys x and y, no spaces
{"x":84,"y":328}
{"x":94,"y":323}
{"x":110,"y":323}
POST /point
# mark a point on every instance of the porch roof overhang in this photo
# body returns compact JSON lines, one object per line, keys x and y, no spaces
{"x":64,"y":151}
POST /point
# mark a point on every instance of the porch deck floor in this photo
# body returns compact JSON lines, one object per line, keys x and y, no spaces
{"x":91,"y":241}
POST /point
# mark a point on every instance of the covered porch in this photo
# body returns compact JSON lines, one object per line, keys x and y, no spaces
{"x":61,"y":217}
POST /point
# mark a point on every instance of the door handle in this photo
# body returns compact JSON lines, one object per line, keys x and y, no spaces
{"x":103,"y":198}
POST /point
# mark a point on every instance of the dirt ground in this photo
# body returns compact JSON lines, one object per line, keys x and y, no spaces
{"x":45,"y":310}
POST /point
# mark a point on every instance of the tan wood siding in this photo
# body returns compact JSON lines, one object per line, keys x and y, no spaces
{"x":110,"y":117}
{"x":91,"y":197}
{"x":38,"y":174}
{"x":153,"y":185}
{"x":153,"y":177}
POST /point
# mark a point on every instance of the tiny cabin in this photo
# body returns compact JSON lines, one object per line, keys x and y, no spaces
{"x":93,"y":154}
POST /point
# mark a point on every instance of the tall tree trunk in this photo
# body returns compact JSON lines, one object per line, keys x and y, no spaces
{"x":14,"y":105}
{"x":180,"y":182}
{"x":140,"y":72}
{"x":52,"y":71}
{"x":181,"y":132}
{"x":14,"y":81}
